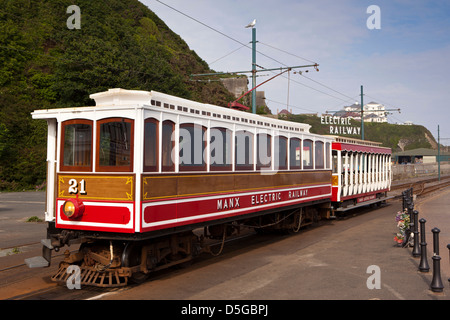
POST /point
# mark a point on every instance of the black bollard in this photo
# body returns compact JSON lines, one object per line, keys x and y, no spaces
{"x":436,"y":283}
{"x":416,"y":249}
{"x":410,"y":213}
{"x":448,"y":247}
{"x":423,"y":266}
{"x":404,"y":200}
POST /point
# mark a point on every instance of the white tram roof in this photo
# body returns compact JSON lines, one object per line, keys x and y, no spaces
{"x":117,"y":99}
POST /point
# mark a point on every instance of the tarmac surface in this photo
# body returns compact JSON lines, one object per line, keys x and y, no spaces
{"x":351,"y":259}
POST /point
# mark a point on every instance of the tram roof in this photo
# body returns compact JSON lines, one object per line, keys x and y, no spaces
{"x":358,"y":145}
{"x":123,"y":99}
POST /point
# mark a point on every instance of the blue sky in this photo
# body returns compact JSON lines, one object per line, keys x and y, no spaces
{"x":405,"y":64}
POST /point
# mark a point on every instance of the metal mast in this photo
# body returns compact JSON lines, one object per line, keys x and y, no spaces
{"x":235,"y":103}
{"x":252,"y":25}
{"x":362,"y":114}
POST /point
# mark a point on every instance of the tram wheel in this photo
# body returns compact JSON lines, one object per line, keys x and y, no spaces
{"x":131,"y":257}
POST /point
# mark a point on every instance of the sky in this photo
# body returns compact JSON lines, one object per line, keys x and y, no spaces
{"x":399,"y":52}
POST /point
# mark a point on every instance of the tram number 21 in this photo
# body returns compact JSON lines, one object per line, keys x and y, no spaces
{"x":75,"y":187}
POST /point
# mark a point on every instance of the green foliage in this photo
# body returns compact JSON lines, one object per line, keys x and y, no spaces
{"x":34,"y":219}
{"x":43,"y":65}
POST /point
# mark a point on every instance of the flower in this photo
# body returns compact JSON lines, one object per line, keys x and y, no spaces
{"x":402,"y":219}
{"x":398,"y":238}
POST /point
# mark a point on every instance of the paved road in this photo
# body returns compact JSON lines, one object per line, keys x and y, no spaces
{"x":435,"y":209}
{"x":15,"y":209}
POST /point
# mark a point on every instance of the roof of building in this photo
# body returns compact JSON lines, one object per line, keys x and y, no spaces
{"x":420,"y":152}
{"x":284,"y":111}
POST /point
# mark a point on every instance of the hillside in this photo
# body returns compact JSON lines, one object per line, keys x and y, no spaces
{"x":396,"y":137}
{"x":43,"y":64}
{"x":121,"y":43}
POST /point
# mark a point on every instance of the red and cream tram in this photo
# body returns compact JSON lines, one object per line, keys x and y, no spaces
{"x":131,"y":177}
{"x":361,"y":173}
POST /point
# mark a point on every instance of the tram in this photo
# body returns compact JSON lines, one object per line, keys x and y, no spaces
{"x":361,"y":173}
{"x":132,"y":177}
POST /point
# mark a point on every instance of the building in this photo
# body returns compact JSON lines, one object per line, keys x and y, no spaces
{"x":238,"y":86}
{"x":420,"y":155}
{"x":373,"y":112}
{"x":284,"y":114}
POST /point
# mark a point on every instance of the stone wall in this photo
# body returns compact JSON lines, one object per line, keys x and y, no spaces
{"x":403,"y":171}
{"x":240,"y":85}
{"x":237,"y":86}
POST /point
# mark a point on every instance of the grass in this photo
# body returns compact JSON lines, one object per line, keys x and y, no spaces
{"x":34,"y":219}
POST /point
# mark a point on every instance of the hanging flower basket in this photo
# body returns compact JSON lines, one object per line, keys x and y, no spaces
{"x":403,"y":222}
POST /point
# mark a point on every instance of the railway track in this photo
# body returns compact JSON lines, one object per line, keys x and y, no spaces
{"x":423,"y":186}
{"x":15,"y":274}
{"x":430,"y":189}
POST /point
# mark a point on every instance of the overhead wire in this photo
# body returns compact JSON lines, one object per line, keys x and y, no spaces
{"x":320,"y":91}
{"x":300,"y":73}
{"x":228,"y":54}
{"x":388,"y":114}
{"x":292,"y":106}
{"x":284,"y":51}
{"x":215,"y":30}
{"x":379,"y":100}
{"x":263,"y":54}
{"x":323,"y":85}
{"x":242,"y":45}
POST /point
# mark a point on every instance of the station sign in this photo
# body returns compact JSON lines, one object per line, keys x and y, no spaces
{"x":340,"y":125}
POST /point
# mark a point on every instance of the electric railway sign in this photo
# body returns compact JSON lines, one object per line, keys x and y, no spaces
{"x":340,"y":125}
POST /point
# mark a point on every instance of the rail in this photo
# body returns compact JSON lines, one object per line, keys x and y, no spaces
{"x":420,"y":187}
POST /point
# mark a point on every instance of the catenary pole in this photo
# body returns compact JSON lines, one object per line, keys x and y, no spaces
{"x":253,"y":69}
{"x":362,"y":114}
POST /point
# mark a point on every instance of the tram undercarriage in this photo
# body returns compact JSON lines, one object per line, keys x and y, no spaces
{"x":115,"y":263}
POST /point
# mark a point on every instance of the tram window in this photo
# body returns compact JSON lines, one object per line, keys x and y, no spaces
{"x":244,"y":150}
{"x":115,"y":145}
{"x":308,"y":154}
{"x":295,"y":154}
{"x":167,"y":145}
{"x":151,"y":145}
{"x":335,"y":162}
{"x":318,"y":154}
{"x":327,"y":155}
{"x":192,"y":147}
{"x":280,"y":156}
{"x":76,"y":151}
{"x":220,"y":149}
{"x":263,"y":151}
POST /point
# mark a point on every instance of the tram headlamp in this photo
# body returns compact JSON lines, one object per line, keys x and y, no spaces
{"x":73,"y":208}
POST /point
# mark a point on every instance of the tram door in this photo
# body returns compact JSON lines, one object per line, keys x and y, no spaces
{"x":336,"y":179}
